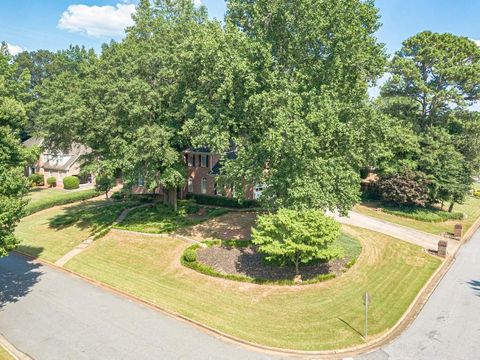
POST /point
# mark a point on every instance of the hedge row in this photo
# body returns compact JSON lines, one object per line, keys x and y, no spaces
{"x":423,"y":214}
{"x":66,"y":199}
{"x":223,"y":201}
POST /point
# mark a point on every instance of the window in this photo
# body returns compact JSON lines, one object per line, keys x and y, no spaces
{"x":191,"y":160}
{"x":141,"y":181}
{"x":190,"y":184}
{"x":257,"y":191}
{"x":204,"y":185}
{"x":204,"y":161}
{"x":216,"y":190}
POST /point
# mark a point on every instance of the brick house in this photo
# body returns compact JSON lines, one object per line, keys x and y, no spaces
{"x":58,"y":164}
{"x":203,"y":167}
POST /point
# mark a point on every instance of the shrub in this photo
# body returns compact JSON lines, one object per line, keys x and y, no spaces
{"x":52,"y":181}
{"x":188,"y":206}
{"x":223,"y":201}
{"x":404,"y":189}
{"x":297,"y":237}
{"x":71,"y":182}
{"x":37,"y":179}
{"x":476,"y":193}
{"x":423,"y":214}
{"x":190,"y":255}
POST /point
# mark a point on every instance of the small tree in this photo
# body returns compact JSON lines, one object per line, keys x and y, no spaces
{"x":105,"y":183}
{"x":297,"y":236}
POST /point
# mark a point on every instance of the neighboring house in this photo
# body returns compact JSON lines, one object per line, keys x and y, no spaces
{"x":58,"y":164}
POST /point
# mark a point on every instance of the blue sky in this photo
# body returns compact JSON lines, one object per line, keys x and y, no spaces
{"x":37,"y":24}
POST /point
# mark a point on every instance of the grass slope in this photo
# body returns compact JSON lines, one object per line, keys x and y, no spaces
{"x":52,"y":233}
{"x":41,"y":199}
{"x":327,"y":315}
{"x":471,"y":208}
{"x":162,"y":219}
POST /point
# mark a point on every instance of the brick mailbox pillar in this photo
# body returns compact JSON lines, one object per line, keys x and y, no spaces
{"x":458,"y":233}
{"x":442,"y":248}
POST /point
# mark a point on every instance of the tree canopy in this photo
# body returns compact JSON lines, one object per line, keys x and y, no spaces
{"x":13,"y":157}
{"x":435,"y":79}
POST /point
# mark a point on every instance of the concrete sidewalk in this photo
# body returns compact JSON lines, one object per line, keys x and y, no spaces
{"x":417,"y":237}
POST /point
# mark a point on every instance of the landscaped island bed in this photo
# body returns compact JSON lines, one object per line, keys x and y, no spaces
{"x":471,"y":210}
{"x":326,"y":315}
{"x":240,"y":260}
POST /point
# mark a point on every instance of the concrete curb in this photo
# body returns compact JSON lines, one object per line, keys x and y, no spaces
{"x":12,"y":350}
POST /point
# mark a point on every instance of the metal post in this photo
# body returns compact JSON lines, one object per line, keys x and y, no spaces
{"x":366,"y":301}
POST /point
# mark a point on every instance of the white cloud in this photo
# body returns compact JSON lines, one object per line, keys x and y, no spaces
{"x":97,"y":21}
{"x":14,"y":49}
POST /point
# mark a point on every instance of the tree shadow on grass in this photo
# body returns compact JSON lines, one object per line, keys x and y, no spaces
{"x":88,"y":216}
{"x":18,"y":275}
{"x":475,"y":286}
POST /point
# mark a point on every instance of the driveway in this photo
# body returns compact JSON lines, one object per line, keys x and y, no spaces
{"x":448,"y":327}
{"x":417,"y":237}
{"x":50,"y":314}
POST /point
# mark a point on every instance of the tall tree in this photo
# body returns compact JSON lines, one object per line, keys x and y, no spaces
{"x":13,"y":185}
{"x":435,"y":79}
{"x":302,"y":125}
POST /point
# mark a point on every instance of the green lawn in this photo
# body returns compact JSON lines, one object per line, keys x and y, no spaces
{"x":5,"y":355}
{"x":162,"y":219}
{"x":41,"y":199}
{"x":327,"y":315}
{"x":471,"y":209}
{"x":52,"y":233}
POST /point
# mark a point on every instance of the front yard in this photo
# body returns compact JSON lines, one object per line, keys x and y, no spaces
{"x":327,"y":315}
{"x":52,"y":233}
{"x":40,"y":199}
{"x":471,"y":209}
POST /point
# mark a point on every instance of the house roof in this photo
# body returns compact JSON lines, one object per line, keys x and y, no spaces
{"x":230,"y":155}
{"x":33,"y":141}
{"x":75,"y":152}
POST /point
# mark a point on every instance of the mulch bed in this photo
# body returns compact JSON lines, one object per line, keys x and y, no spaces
{"x":246,"y":261}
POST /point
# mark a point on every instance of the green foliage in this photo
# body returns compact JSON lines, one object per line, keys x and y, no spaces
{"x":223,"y":201}
{"x":105,"y":183}
{"x":297,"y":236}
{"x":37,"y":179}
{"x":188,"y":206}
{"x":434,"y":82}
{"x":71,"y":182}
{"x":13,"y":156}
{"x":407,"y":188}
{"x":64,"y":199}
{"x":476,"y":193}
{"x":190,"y":255}
{"x":424,"y":214}
{"x":52,"y":181}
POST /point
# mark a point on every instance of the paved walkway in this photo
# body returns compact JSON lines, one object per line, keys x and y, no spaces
{"x":417,"y":237}
{"x":49,"y":314}
{"x":448,"y":327}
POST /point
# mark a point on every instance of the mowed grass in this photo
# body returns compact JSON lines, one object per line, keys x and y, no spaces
{"x":40,"y":199}
{"x":52,"y":233}
{"x":162,"y":219}
{"x":5,"y":355}
{"x":327,"y":315}
{"x":471,"y":209}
